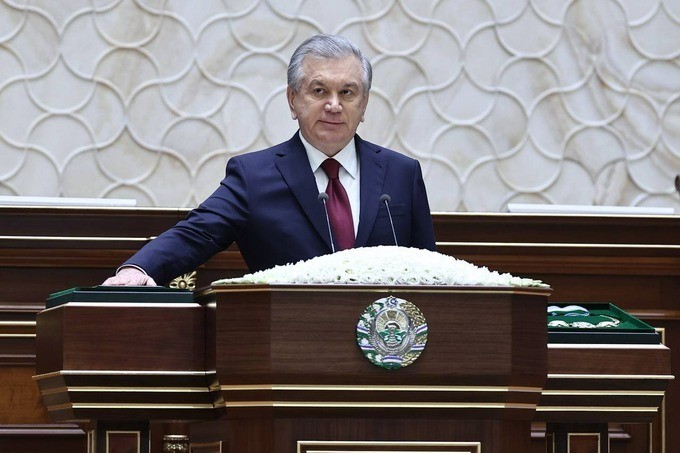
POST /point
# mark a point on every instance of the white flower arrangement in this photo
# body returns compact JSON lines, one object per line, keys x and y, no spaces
{"x":383,"y":265}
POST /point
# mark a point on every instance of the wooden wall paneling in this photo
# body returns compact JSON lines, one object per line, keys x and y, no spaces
{"x":632,"y":261}
{"x":45,"y":250}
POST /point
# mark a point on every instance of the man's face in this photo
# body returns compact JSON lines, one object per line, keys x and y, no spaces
{"x":331,"y":102}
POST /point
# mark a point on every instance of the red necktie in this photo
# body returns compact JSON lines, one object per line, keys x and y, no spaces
{"x":339,"y":209}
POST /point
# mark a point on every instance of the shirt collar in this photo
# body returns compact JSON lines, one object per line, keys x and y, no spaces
{"x":347,"y":157}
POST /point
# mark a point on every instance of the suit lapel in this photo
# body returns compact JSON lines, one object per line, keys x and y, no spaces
{"x":292,"y":163}
{"x":372,"y":168}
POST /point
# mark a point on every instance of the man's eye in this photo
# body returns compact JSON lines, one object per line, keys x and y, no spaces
{"x":318,"y":90}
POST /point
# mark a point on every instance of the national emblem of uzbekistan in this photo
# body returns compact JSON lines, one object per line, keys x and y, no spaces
{"x":392,"y":332}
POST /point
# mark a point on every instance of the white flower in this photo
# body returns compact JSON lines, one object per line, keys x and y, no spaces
{"x":383,"y":265}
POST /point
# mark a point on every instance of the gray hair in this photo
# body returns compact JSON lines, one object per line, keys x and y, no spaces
{"x":326,"y":46}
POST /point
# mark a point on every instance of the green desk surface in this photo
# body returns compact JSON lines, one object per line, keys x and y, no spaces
{"x":146,"y":294}
{"x":599,"y":323}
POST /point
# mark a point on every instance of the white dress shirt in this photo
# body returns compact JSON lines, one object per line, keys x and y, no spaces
{"x":348,"y":174}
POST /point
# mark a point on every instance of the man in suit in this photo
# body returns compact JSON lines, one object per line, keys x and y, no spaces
{"x":269,"y":202}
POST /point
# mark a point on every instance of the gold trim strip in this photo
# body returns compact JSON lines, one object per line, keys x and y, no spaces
{"x":407,"y":443}
{"x":121,"y":373}
{"x":379,"y":404}
{"x":17,"y":335}
{"x":378,"y":388}
{"x":128,"y":305}
{"x":129,"y":406}
{"x":18,"y":323}
{"x":76,"y":238}
{"x":605,"y":346}
{"x":377,"y":443}
{"x":109,"y":438}
{"x":596,"y":435}
{"x":594,"y":409}
{"x":95,"y":389}
{"x":531,"y":291}
{"x":57,"y":207}
{"x":605,"y":393}
{"x":611,"y":376}
{"x":205,"y":445}
{"x":454,"y":214}
{"x":566,"y":245}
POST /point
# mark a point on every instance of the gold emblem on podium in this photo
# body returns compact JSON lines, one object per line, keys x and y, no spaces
{"x":392,"y":333}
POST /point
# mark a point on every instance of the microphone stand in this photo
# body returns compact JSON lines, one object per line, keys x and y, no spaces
{"x":384,"y":198}
{"x":323,"y":198}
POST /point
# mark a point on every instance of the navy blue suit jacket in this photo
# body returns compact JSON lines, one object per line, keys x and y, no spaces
{"x":268,"y":204}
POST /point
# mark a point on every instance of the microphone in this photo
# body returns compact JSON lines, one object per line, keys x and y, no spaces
{"x":384,"y":198}
{"x":323,"y":198}
{"x":677,"y":184}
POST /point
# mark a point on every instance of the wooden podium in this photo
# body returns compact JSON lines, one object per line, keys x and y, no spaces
{"x":264,"y":369}
{"x":115,"y":360}
{"x":293,"y":378}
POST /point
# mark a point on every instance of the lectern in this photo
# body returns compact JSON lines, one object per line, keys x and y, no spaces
{"x":262,"y":369}
{"x":293,"y":378}
{"x":113,"y":359}
{"x":617,"y":373}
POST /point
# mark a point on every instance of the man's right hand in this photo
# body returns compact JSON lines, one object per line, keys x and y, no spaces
{"x":130,"y":276}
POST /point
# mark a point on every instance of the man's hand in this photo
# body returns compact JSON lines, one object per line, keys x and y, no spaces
{"x":130,"y":276}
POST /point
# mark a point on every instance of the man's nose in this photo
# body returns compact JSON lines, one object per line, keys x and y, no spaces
{"x":333,"y":105}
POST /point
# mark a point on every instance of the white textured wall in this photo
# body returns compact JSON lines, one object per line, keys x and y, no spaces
{"x":570,"y":102}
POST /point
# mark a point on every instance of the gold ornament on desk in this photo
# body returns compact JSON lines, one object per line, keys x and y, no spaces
{"x":392,"y":333}
{"x":186,"y":281}
{"x":175,"y":443}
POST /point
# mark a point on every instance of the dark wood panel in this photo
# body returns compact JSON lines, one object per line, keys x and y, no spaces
{"x":42,"y":438}
{"x":265,"y":435}
{"x":20,"y":397}
{"x":556,"y":228}
{"x":271,"y":326}
{"x":601,"y":265}
{"x":87,"y":222}
{"x":633,"y":262}
{"x":93,"y":337}
{"x":625,"y":360}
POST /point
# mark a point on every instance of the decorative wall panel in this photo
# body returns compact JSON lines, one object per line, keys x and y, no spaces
{"x":568,"y":102}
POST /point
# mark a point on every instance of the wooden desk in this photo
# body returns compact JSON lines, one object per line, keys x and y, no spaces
{"x":633,"y":262}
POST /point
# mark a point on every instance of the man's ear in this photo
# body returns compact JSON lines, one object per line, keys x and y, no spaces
{"x":363,"y":113}
{"x":290,"y":95}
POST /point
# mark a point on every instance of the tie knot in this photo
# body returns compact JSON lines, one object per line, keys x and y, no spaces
{"x":331,"y":167}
